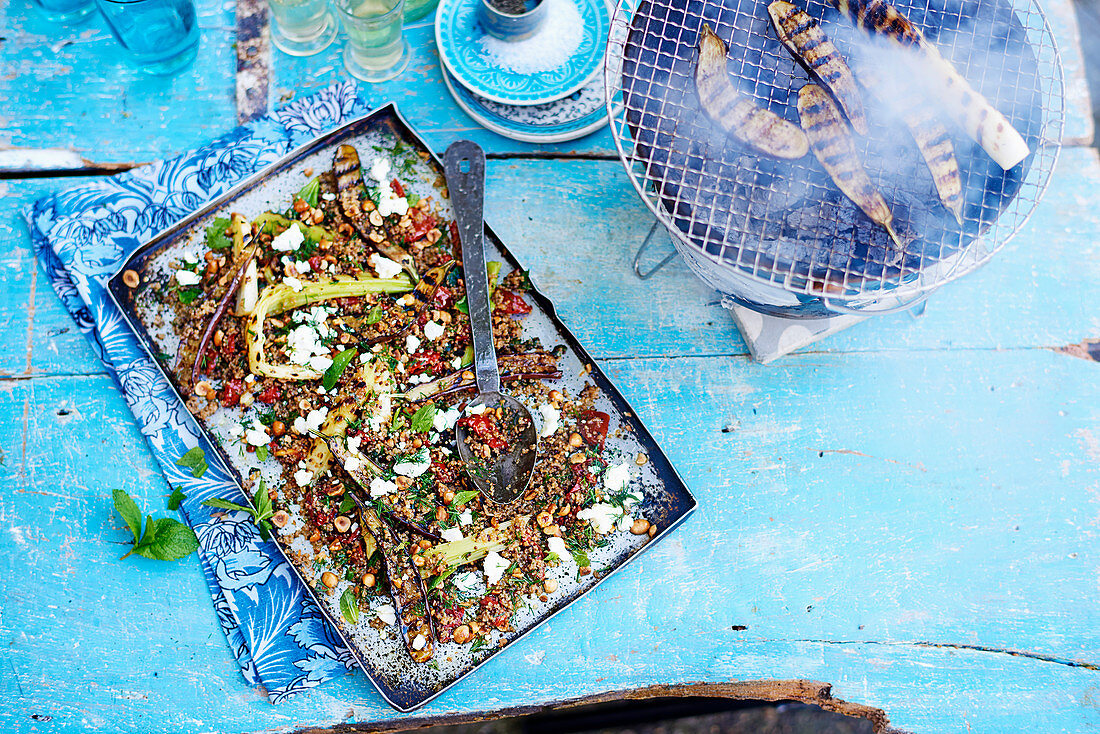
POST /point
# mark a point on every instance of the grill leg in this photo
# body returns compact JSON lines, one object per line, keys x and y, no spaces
{"x":641,"y":251}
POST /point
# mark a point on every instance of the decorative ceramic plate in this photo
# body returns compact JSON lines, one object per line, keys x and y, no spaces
{"x":149,"y":306}
{"x":579,"y":114}
{"x":475,"y":59}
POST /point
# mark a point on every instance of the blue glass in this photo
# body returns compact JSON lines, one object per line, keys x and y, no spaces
{"x":65,"y":11}
{"x":162,"y":36}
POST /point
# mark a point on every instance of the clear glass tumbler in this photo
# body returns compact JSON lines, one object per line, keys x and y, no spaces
{"x":64,"y":11}
{"x":302,"y":27}
{"x":417,"y":9}
{"x":375,"y":51}
{"x":162,"y":36}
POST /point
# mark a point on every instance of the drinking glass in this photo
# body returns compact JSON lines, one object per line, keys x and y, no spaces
{"x":375,"y":50}
{"x":302,"y":27}
{"x":162,"y":36}
{"x":417,"y":9}
{"x":64,"y":11}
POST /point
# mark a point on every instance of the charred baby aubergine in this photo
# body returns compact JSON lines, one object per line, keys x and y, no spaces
{"x":983,"y":122}
{"x":832,"y":145}
{"x":808,"y":44}
{"x":738,"y":115}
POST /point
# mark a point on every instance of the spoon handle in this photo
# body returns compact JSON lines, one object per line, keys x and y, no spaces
{"x":464,"y":166}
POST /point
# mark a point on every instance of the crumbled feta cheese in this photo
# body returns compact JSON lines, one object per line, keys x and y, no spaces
{"x":289,"y":239}
{"x":617,"y":477}
{"x":451,"y":535}
{"x":354,"y":442}
{"x":468,"y":584}
{"x":353,"y":463}
{"x":385,"y":267}
{"x":380,"y":169}
{"x":444,"y":420}
{"x":302,"y":266}
{"x":411,"y":343}
{"x":601,"y":516}
{"x":328,"y":196}
{"x":419,"y":642}
{"x":186,"y":277}
{"x":303,"y":477}
{"x":235,"y":430}
{"x":466,"y":517}
{"x":416,"y":466}
{"x":475,"y":409}
{"x":557,"y":547}
{"x":495,"y":565}
{"x":550,"y":418}
{"x":294,"y":283}
{"x":380,"y":487}
{"x":432,"y":330}
{"x":386,"y":613}
{"x":456,"y":363}
{"x":320,"y":362}
{"x":191,"y":257}
{"x":312,"y":422}
{"x":388,"y":200}
{"x":257,"y":436}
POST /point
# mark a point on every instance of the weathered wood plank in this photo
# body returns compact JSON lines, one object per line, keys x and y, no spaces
{"x":583,"y":263}
{"x":841,"y":550}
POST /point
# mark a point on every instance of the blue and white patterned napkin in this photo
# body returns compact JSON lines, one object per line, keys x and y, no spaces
{"x":81,"y":236}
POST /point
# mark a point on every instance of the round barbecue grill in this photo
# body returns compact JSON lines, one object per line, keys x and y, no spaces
{"x":778,"y":236}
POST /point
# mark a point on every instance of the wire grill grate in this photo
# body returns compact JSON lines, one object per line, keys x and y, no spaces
{"x":745,"y":221}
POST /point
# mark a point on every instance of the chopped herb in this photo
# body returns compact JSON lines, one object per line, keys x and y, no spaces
{"x":413,"y":199}
{"x":479,"y":644}
{"x":216,"y":239}
{"x":176,"y":498}
{"x":310,"y":192}
{"x":163,"y":539}
{"x":438,"y":580}
{"x":422,"y":419}
{"x":347,"y":504}
{"x":374,"y":316}
{"x":187,"y":295}
{"x":267,"y":417}
{"x":463,"y":497}
{"x":339,"y":364}
{"x":349,"y":605}
{"x":195,"y":460}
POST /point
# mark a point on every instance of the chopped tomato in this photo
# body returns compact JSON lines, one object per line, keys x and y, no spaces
{"x":593,"y":426}
{"x":422,"y":223}
{"x":349,"y":302}
{"x":315,"y":262}
{"x":229,"y":344}
{"x":454,"y":233}
{"x":397,"y":187}
{"x":495,"y":611}
{"x":483,"y":426}
{"x":513,"y":303}
{"x":231,"y":393}
{"x":270,"y":394}
{"x":426,"y":360}
{"x":443,"y":297}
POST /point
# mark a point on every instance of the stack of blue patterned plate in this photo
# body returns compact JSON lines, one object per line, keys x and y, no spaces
{"x":545,"y":89}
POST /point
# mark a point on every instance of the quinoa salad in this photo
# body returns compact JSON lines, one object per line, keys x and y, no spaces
{"x":325,"y":344}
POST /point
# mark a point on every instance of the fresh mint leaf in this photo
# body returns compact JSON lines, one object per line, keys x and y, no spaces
{"x":216,"y":238}
{"x":463,"y":497}
{"x":438,"y":580}
{"x":126,"y":507}
{"x":220,"y":504}
{"x":262,"y":502}
{"x":581,"y":558}
{"x":339,"y":364}
{"x":463,"y":306}
{"x":261,"y":452}
{"x":347,"y":504}
{"x":349,"y":605}
{"x":195,"y":460}
{"x":169,"y":540}
{"x":311,"y":191}
{"x":187,"y":295}
{"x":423,"y":418}
{"x":374,"y":316}
{"x":413,"y":199}
{"x":175,"y":499}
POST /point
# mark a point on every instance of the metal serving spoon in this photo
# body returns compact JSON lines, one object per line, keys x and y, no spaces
{"x":504,"y":476}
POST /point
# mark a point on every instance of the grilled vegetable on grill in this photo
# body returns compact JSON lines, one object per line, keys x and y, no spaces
{"x":763,"y":130}
{"x":832,"y":145}
{"x":803,"y":37}
{"x":932,"y":139}
{"x":350,"y":191}
{"x":969,"y":108}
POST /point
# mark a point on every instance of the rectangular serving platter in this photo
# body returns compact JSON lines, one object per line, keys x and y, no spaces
{"x":405,"y":684}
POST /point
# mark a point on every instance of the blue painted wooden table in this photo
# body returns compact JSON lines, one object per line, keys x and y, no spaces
{"x":908,"y":512}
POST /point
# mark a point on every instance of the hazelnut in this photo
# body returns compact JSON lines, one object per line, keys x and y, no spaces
{"x":131,"y":278}
{"x":575,"y":440}
{"x":280,"y":519}
{"x":328,"y":578}
{"x":368,"y":580}
{"x":461,"y":634}
{"x":641,"y":459}
{"x":343,"y":523}
{"x":376,"y":218}
{"x":556,"y":396}
{"x":203,"y":389}
{"x":640,"y":526}
{"x":550,"y":586}
{"x":577,"y":458}
{"x":278,"y":428}
{"x":219,"y":337}
{"x":448,"y":497}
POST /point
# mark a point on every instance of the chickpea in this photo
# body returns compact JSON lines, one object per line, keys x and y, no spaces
{"x":328,"y":578}
{"x":448,"y":497}
{"x":402,"y":482}
{"x":131,"y":278}
{"x":203,"y":389}
{"x":577,"y":458}
{"x":575,"y":440}
{"x":307,"y":172}
{"x":550,"y":586}
{"x":462,"y":634}
{"x":556,"y":396}
{"x":280,"y":519}
{"x":278,"y":428}
{"x":440,"y":514}
{"x":342,"y":523}
{"x":425,"y":544}
{"x":219,"y":337}
{"x":368,"y":580}
{"x":640,"y":526}
{"x":418,"y":561}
